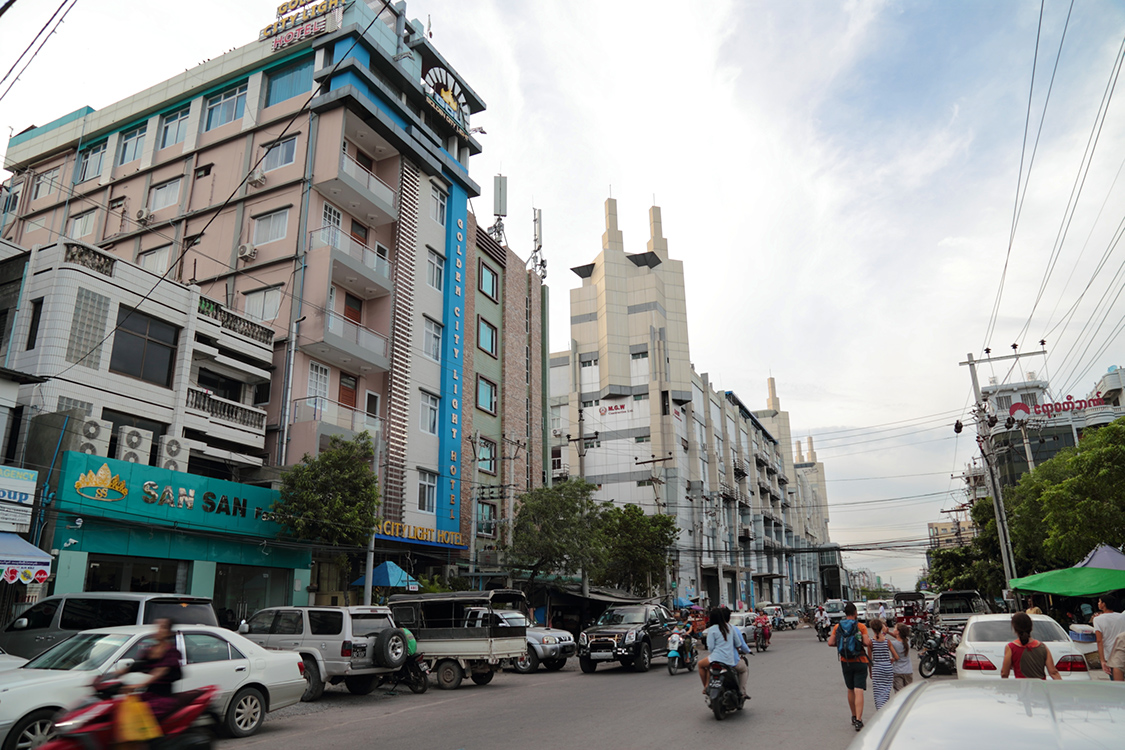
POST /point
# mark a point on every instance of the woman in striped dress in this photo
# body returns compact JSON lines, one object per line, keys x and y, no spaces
{"x":883,"y":657}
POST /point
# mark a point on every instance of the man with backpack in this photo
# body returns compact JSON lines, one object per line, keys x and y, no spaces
{"x":853,"y":646}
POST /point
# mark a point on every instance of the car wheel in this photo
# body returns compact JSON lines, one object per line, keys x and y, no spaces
{"x":554,"y":665}
{"x":360,"y":684}
{"x":587,"y":664}
{"x":482,"y":678}
{"x":246,"y":712}
{"x":31,"y":731}
{"x":390,"y":648}
{"x":449,"y":674}
{"x":314,"y":683}
{"x":927,"y":665}
{"x":527,"y":662}
{"x":644,"y":658}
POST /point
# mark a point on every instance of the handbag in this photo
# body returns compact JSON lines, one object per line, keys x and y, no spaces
{"x":135,"y":721}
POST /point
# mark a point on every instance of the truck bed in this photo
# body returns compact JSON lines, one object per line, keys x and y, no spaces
{"x":489,"y":644}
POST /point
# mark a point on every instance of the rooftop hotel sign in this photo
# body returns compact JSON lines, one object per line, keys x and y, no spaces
{"x":300,"y":19}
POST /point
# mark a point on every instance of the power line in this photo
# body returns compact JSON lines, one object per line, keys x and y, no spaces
{"x":34,"y":39}
{"x":37,"y":49}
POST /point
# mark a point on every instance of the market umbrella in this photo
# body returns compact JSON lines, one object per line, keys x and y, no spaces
{"x":1103,"y":556}
{"x":388,"y":575}
{"x":1072,"y":582}
{"x":680,"y":602}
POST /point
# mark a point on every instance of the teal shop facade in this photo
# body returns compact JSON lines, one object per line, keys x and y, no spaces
{"x":121,"y":526}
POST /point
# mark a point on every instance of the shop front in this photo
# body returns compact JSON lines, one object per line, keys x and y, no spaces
{"x":121,"y":526}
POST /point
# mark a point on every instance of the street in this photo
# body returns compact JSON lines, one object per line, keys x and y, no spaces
{"x":795,"y":687}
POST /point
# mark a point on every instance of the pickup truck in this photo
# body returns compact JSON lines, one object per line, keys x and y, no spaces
{"x":547,"y":646}
{"x":459,"y":633}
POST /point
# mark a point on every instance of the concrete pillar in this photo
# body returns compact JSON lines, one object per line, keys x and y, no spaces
{"x":70,"y":571}
{"x":203,"y":578}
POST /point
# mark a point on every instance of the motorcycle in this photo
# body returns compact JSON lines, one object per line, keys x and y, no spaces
{"x":936,"y":654}
{"x":723,"y":694}
{"x":91,"y":724}
{"x":762,"y":638}
{"x":681,"y":652}
{"x":822,"y":631}
{"x":414,"y":673}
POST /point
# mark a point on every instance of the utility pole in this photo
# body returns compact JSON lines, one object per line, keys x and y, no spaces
{"x":581,"y":445}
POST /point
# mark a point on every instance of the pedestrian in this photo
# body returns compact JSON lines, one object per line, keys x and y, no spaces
{"x":904,"y":675}
{"x":1032,"y":609}
{"x":1109,"y":624}
{"x":883,"y":656}
{"x":1117,"y":659}
{"x":852,"y":647}
{"x":1025,"y":656}
{"x":883,"y":611}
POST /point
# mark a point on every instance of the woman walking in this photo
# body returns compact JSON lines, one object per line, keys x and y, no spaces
{"x":900,"y":642}
{"x":883,"y":656}
{"x":1026,"y":656}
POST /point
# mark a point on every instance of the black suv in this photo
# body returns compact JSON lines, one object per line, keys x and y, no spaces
{"x":631,"y":634}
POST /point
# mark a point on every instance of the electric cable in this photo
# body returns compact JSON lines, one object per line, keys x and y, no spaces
{"x":37,"y":50}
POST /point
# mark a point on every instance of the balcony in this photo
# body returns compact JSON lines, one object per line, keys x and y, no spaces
{"x":222,"y":419}
{"x":360,"y":192}
{"x":739,"y":468}
{"x":236,"y":323}
{"x":334,"y":339}
{"x":781,"y":478}
{"x":728,"y":491}
{"x":356,"y":267}
{"x":323,"y":411}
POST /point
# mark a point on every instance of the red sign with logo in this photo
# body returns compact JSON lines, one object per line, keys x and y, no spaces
{"x":41,"y":575}
{"x":11,"y":575}
{"x":612,"y":409}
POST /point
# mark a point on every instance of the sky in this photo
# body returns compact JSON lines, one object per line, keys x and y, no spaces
{"x":839,"y":178}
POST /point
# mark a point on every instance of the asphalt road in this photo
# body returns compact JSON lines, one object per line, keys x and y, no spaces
{"x":797,"y":695}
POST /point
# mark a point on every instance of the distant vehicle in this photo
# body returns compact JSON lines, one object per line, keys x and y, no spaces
{"x":550,"y":647}
{"x":981,"y":651}
{"x":952,"y":609}
{"x":872,"y":609}
{"x":834,"y":608}
{"x":631,"y":634}
{"x":910,"y":608}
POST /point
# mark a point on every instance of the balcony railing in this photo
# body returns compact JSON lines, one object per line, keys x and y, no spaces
{"x":234,"y":322}
{"x":365,"y":338}
{"x":224,"y":410}
{"x":374,"y":185}
{"x":316,"y":409}
{"x":336,"y":238}
{"x":739,"y":467}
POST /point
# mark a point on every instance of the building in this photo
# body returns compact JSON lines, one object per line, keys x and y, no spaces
{"x":630,"y":413}
{"x":952,"y":533}
{"x":293,"y":214}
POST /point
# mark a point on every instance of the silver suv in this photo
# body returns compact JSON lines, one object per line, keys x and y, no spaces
{"x":549,"y":646}
{"x":352,"y":645}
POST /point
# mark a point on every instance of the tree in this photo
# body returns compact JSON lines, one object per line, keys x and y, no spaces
{"x":556,"y":530}
{"x":636,"y":549}
{"x":331,"y":498}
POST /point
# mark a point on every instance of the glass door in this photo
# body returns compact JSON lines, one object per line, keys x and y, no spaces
{"x":242,"y":590}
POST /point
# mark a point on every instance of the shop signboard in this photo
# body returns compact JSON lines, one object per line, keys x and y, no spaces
{"x":17,"y":494}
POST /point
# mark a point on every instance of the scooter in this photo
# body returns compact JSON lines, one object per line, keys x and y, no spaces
{"x":90,"y":725}
{"x":822,"y":632}
{"x":414,"y":673}
{"x":936,"y":654}
{"x":681,"y":652}
{"x":723,"y":694}
{"x":762,"y":638}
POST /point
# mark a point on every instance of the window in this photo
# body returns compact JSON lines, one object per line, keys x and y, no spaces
{"x":45,"y":184}
{"x":82,"y":225}
{"x":430,"y":405}
{"x":289,"y":623}
{"x":271,"y":227}
{"x":588,"y":363}
{"x":437,"y":205}
{"x":173,"y":127}
{"x":117,"y":203}
{"x":591,"y":404}
{"x":87,"y":328}
{"x":155,"y":260}
{"x":486,"y":456}
{"x":164,"y":195}
{"x":431,"y":340}
{"x":261,"y":623}
{"x":225,"y":107}
{"x":318,"y":380}
{"x":86,"y":613}
{"x":644,"y":482}
{"x":280,"y":154}
{"x":1003,"y":403}
{"x":486,"y":336}
{"x":640,"y":397}
{"x":486,"y":395}
{"x":144,"y":347}
{"x":592,"y":443}
{"x":1030,"y":399}
{"x":220,"y":385}
{"x":486,"y":519}
{"x":90,"y":163}
{"x":642,"y":439}
{"x":435,"y":271}
{"x":33,"y":329}
{"x":289,"y":82}
{"x":12,"y":199}
{"x":132,"y":144}
{"x":38,"y":617}
{"x":489,"y":281}
{"x":263,"y":304}
{"x":323,"y":622}
{"x":639,"y":355}
{"x":201,"y":648}
{"x":427,"y":491}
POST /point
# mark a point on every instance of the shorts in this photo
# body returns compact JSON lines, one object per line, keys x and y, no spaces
{"x":1116,"y":657}
{"x":855,"y":674}
{"x":902,"y":680}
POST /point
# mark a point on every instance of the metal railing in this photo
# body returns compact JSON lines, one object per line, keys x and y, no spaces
{"x":374,"y":185}
{"x":318,"y":409}
{"x":334,"y":237}
{"x":232,"y":321}
{"x":225,"y":410}
{"x":364,"y":338}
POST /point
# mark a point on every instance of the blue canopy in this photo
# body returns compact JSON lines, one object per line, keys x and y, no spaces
{"x":388,"y":575}
{"x":681,"y":603}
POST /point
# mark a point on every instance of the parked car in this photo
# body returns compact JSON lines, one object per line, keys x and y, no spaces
{"x":744,"y":621}
{"x":352,"y":645}
{"x":631,"y":634}
{"x":56,"y":618}
{"x":975,"y":715}
{"x":981,"y":651}
{"x":251,"y":680}
{"x":952,"y":609}
{"x":790,"y":615}
{"x":548,"y":646}
{"x":8,"y":661}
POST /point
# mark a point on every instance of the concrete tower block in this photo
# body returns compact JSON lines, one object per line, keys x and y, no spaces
{"x":657,"y":243}
{"x":812,"y":453}
{"x":773,"y":402}
{"x":612,"y":239}
{"x":797,"y":452}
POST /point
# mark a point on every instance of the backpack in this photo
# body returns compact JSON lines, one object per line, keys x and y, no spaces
{"x":849,"y":645}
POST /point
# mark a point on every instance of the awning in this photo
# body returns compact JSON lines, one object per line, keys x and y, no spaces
{"x":389,"y":575}
{"x":22,"y":561}
{"x":1072,"y":582}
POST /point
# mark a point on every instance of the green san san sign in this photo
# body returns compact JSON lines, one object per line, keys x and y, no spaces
{"x":98,"y":486}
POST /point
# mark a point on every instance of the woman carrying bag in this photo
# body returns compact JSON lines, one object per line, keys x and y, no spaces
{"x":138,"y":720}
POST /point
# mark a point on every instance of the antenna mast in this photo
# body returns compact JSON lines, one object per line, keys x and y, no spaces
{"x":499,"y":208}
{"x":537,"y":262}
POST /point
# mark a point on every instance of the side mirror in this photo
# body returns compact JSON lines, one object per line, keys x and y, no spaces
{"x":122,"y":665}
{"x":243,"y":627}
{"x":20,"y":624}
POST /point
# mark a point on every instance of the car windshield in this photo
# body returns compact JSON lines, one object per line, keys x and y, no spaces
{"x":1000,"y":631}
{"x":184,"y":613}
{"x":84,"y":652}
{"x":622,"y":617}
{"x":367,"y":624}
{"x":515,"y":619}
{"x":833,"y":607}
{"x":961,"y":605}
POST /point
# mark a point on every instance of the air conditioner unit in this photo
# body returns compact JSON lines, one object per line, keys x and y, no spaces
{"x":133,"y":444}
{"x":143,"y":215}
{"x":557,"y":433}
{"x":246,"y":251}
{"x":95,"y":437}
{"x":257,"y":178}
{"x":449,"y":572}
{"x":172,"y":453}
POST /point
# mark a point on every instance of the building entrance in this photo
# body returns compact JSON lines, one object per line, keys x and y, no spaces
{"x":241,"y":590}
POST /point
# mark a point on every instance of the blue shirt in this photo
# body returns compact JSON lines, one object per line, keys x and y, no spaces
{"x":725,"y":650}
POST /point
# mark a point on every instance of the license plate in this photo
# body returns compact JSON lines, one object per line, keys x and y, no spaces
{"x":359,"y":650}
{"x":716,"y":683}
{"x":600,"y":655}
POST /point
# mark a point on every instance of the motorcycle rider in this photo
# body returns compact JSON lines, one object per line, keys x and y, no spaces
{"x":683,"y":626}
{"x":726,"y":646}
{"x":821,"y":619}
{"x":762,"y":622}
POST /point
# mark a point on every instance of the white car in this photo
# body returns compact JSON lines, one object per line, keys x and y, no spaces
{"x":981,"y":651}
{"x":8,"y":661}
{"x":251,"y":680}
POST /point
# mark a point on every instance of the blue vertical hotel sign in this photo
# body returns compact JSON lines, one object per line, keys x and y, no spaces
{"x":452,"y":371}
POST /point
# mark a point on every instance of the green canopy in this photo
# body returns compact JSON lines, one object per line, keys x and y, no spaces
{"x":1072,"y":582}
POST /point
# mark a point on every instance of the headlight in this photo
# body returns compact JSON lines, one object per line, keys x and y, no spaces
{"x":582,"y":638}
{"x":630,"y":636}
{"x":549,"y":639}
